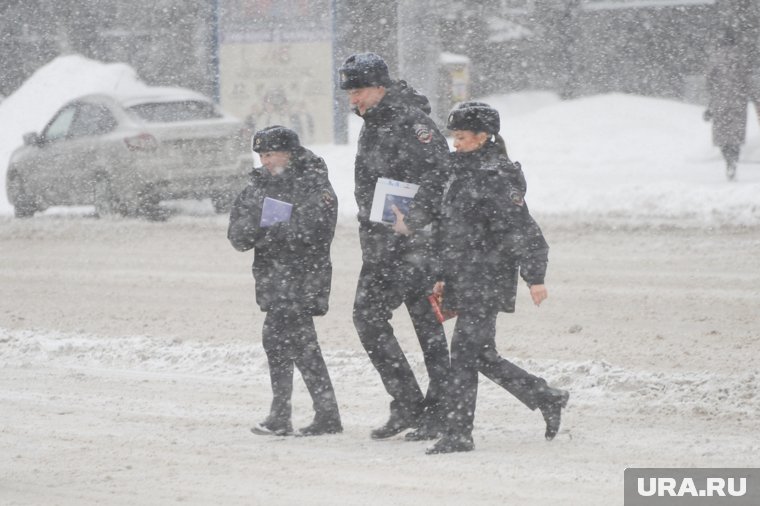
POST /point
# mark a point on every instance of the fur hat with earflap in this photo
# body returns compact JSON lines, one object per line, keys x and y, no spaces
{"x":477,"y":117}
{"x":364,"y":70}
{"x":474,"y":116}
{"x":275,"y":138}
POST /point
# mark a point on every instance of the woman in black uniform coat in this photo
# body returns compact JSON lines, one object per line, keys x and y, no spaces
{"x":487,"y":238}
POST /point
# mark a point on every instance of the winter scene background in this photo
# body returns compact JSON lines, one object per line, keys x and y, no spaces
{"x":131,"y":357}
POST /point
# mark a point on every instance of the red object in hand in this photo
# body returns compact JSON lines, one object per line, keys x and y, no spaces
{"x":441,"y":314}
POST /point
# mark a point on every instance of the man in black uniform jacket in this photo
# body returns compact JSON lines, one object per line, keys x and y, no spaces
{"x":292,"y":270}
{"x":398,"y":141}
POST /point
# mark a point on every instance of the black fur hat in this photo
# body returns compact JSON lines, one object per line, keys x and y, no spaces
{"x":275,"y":138}
{"x":363,"y":70}
{"x":474,"y":116}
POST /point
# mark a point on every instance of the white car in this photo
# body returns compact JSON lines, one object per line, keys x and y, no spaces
{"x":125,"y":153}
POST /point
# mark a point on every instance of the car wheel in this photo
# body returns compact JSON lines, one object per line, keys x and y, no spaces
{"x":148,"y":200}
{"x":103,"y":197}
{"x":24,"y":205}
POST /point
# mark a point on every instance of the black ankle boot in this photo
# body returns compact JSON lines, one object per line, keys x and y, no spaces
{"x":452,"y":443}
{"x":396,"y":424}
{"x":322,"y":424}
{"x":432,"y":425}
{"x":425,"y":432}
{"x":731,"y":170}
{"x":551,"y":406}
{"x":273,"y":427}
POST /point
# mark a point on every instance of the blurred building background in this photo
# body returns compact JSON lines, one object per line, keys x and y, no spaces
{"x":168,"y":42}
{"x":575,"y":47}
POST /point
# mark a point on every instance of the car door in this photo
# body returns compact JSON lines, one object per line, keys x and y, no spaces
{"x":42,"y":166}
{"x":87,"y":150}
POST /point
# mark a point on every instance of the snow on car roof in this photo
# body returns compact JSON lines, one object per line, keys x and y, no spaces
{"x":160,"y":94}
{"x":148,"y":95}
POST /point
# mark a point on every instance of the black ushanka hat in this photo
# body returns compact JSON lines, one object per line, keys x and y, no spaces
{"x":364,"y":70}
{"x":474,"y":116}
{"x":275,"y":138}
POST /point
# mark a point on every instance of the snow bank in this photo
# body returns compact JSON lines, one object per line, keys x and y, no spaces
{"x":636,"y":158}
{"x":594,"y":382}
{"x":628,"y":158}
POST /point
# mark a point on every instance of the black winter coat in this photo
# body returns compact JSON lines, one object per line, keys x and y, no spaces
{"x":291,"y":263}
{"x":400,"y":141}
{"x":487,"y":233}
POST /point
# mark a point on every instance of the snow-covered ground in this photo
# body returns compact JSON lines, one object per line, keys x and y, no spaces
{"x":132,"y":368}
{"x":131,"y":363}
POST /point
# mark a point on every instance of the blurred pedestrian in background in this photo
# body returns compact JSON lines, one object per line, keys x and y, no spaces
{"x":731,"y":69}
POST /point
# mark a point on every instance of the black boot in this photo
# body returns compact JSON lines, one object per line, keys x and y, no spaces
{"x":731,"y":170}
{"x":425,"y":432}
{"x":396,"y":424}
{"x":452,"y":443}
{"x":731,"y":155}
{"x":322,"y":424}
{"x":273,"y":427}
{"x":551,"y":406}
{"x":431,"y":426}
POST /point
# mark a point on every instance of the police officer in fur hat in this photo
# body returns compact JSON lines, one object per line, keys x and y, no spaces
{"x":287,"y":215}
{"x":398,"y":141}
{"x":487,"y":238}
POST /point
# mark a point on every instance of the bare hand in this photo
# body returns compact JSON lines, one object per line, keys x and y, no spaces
{"x":400,"y":227}
{"x":438,"y":289}
{"x":538,"y":293}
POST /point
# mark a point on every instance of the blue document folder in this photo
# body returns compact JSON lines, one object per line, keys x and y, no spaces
{"x":275,"y":211}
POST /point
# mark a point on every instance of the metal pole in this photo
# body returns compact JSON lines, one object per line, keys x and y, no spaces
{"x":340,"y":107}
{"x":215,"y":51}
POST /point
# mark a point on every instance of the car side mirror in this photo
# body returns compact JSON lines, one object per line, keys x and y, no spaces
{"x":32,"y":139}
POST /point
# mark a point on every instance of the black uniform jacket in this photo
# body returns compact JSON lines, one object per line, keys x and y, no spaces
{"x":291,"y":260}
{"x":400,"y":141}
{"x":487,"y":233}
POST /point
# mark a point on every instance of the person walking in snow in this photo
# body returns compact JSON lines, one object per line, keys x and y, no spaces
{"x":487,"y":237}
{"x":287,"y":215}
{"x":398,"y":141}
{"x":729,"y":78}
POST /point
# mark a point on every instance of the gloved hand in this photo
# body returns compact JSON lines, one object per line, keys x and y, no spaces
{"x":707,"y":115}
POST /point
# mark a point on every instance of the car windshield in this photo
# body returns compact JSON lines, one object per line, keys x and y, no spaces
{"x":168,"y":112}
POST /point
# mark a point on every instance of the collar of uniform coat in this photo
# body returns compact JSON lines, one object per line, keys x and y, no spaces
{"x":398,"y":97}
{"x":488,"y":158}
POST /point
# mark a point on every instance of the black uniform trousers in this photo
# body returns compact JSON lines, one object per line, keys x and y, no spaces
{"x":290,"y":339}
{"x":473,"y":350}
{"x":383,"y":287}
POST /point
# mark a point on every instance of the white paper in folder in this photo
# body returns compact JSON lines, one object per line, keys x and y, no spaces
{"x":389,"y":192}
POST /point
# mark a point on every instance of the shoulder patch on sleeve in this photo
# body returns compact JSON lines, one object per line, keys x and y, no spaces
{"x":517,"y":197}
{"x":423,"y":133}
